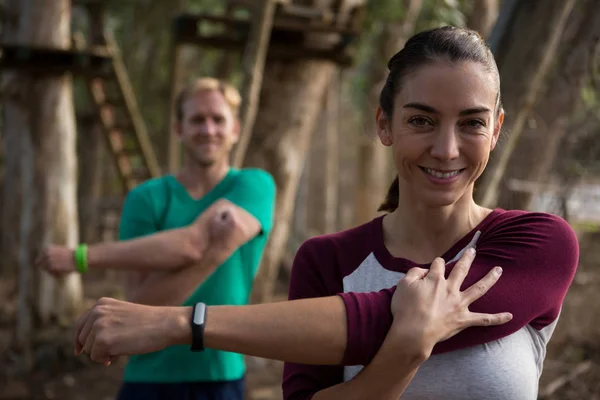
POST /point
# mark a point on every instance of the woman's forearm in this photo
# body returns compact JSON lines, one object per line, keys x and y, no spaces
{"x":160,"y":251}
{"x":386,"y":377}
{"x":309,"y":331}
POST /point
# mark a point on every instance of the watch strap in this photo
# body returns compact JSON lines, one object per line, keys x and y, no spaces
{"x":197,"y":323}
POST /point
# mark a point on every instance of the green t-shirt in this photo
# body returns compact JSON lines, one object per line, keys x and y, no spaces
{"x":163,"y":203}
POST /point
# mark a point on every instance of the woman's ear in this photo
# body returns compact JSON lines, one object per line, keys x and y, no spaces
{"x":383,"y":128}
{"x":497,"y":129}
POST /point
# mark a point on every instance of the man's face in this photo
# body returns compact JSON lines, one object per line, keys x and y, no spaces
{"x":208,"y":129}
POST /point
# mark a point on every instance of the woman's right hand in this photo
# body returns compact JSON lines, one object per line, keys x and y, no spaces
{"x":428,"y":308}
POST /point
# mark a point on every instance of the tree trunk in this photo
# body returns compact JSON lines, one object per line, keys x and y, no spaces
{"x":255,"y":55}
{"x":40,"y":137}
{"x":90,"y":146}
{"x":483,"y":16}
{"x":524,"y":65}
{"x":290,"y":104}
{"x":531,"y":161}
{"x":322,"y":167}
{"x":374,"y":158}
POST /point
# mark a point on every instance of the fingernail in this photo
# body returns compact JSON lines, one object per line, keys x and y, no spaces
{"x":471,"y":251}
{"x":498,"y":271}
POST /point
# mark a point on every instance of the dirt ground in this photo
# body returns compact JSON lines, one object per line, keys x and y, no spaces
{"x":571,"y":370}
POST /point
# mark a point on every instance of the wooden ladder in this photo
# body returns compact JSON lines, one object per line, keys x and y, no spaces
{"x":117,"y":110}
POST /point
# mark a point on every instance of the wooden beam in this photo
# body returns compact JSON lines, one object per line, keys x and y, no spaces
{"x":45,"y":61}
{"x":276,"y":51}
{"x":255,"y":56}
{"x":186,"y":24}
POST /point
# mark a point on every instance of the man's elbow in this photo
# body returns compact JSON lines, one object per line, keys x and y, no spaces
{"x":196,"y":245}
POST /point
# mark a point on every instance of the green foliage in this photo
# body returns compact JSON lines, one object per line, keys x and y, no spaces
{"x":434,"y":13}
{"x":438,"y":13}
{"x":589,"y":96}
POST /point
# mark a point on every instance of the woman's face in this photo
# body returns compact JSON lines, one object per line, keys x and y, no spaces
{"x":442,"y":130}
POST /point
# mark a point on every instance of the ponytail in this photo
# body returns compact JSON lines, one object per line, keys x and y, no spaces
{"x":392,"y":198}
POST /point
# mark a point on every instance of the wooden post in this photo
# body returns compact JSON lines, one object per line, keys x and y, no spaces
{"x":89,"y":142}
{"x":173,"y":146}
{"x":255,"y":56}
{"x":332,"y":159}
{"x":170,"y":156}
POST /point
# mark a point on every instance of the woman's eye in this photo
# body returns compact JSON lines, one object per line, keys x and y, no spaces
{"x":474,"y":123}
{"x":419,"y":121}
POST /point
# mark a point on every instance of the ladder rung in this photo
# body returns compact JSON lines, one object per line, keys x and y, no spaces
{"x":129,"y":152}
{"x":141,"y":173}
{"x":111,"y":125}
{"x":298,"y":11}
{"x":116,"y":102}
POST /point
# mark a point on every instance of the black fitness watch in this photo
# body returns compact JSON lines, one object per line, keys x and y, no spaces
{"x":197,"y":322}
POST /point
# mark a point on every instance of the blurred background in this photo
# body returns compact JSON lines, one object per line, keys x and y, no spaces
{"x":86,"y":95}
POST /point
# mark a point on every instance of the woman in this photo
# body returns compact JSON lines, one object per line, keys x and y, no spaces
{"x":441,"y":115}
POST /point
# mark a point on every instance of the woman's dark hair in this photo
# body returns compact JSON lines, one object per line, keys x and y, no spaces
{"x":441,"y":44}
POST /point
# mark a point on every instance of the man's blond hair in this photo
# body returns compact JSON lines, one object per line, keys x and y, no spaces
{"x":230,"y":93}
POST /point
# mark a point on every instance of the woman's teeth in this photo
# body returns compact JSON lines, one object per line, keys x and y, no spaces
{"x":442,"y":175}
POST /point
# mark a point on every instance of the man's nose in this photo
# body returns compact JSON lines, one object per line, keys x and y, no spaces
{"x":209,"y":127}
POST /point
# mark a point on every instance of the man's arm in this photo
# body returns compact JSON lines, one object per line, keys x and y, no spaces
{"x":251,"y":200}
{"x":161,"y":251}
{"x":226,"y":231}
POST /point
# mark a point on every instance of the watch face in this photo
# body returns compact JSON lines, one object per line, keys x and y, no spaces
{"x":199,"y":312}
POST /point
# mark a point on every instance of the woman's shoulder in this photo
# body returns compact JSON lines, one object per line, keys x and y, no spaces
{"x":530,"y":238}
{"x":356,"y":238}
{"x":525,"y":222}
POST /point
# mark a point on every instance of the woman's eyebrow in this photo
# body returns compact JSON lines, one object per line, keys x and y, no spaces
{"x":429,"y":109}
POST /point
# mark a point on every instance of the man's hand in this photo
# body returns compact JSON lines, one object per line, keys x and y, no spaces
{"x":57,"y":260}
{"x":224,"y":228}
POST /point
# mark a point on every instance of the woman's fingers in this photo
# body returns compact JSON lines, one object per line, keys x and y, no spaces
{"x":78,"y":329}
{"x":87,"y":331}
{"x":89,"y":342}
{"x":99,"y":350}
{"x":480,"y":319}
{"x":461,"y":269}
{"x":414,"y":274}
{"x":437,"y":269}
{"x":482,"y":286}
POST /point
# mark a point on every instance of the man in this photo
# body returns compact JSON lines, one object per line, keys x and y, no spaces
{"x":195,"y":236}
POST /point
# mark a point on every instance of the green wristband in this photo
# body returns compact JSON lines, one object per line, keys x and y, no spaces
{"x":81,"y":258}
